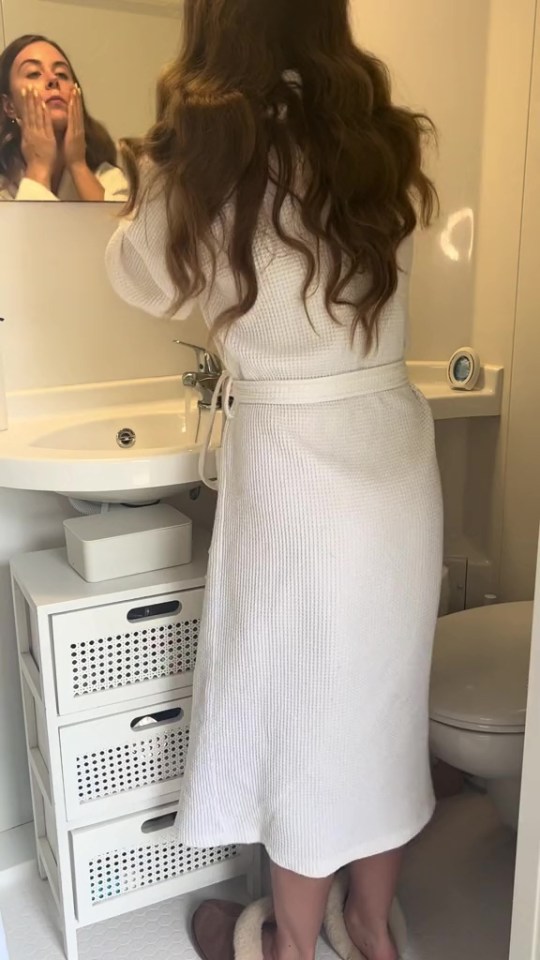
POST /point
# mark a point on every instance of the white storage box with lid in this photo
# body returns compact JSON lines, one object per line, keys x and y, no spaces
{"x":126,"y":541}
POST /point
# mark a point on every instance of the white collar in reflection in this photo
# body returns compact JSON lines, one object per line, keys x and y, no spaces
{"x":293,"y":78}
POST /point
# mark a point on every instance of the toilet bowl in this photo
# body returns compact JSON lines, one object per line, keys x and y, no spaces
{"x":479,"y":697}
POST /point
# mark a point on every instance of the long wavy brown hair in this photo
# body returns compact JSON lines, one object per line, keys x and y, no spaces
{"x":100,"y":147}
{"x":229,"y":123}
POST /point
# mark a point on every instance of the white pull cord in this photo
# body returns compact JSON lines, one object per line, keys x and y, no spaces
{"x":223,"y":388}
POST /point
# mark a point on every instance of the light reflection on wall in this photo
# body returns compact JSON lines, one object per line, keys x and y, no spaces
{"x":457,"y":238}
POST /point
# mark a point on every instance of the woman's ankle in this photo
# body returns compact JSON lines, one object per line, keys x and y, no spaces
{"x":278,"y":948}
{"x":371,"y":936}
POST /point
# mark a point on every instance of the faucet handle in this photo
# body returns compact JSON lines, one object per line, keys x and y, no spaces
{"x":206,"y":361}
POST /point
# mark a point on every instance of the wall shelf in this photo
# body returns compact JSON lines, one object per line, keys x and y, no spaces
{"x":447,"y":404}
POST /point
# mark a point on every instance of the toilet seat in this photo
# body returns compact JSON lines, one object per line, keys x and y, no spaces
{"x":481,"y":667}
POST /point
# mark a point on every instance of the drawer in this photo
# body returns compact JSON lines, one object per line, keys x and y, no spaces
{"x":137,"y":860}
{"x":125,"y":762}
{"x":125,"y":651}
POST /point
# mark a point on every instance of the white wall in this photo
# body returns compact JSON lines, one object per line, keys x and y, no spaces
{"x":63,"y":323}
{"x":525,"y":943}
{"x":437,"y":54}
{"x":521,"y":492}
{"x":116,"y":51}
{"x":513,"y":36}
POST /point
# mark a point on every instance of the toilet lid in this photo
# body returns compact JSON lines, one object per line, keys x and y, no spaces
{"x":481,"y":668}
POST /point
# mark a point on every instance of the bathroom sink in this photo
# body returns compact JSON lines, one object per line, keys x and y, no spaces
{"x":139,"y":441}
{"x":127,"y":442}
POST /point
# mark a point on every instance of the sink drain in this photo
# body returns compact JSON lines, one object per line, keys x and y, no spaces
{"x":126,"y":438}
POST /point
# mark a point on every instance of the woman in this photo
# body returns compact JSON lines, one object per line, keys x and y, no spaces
{"x":50,"y":147}
{"x":279,"y":188}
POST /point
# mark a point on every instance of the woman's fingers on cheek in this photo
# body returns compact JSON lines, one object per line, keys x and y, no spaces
{"x":21,"y":113}
{"x":31,"y":101}
{"x":47,"y":120}
{"x":26,"y":105}
{"x":38,"y":109}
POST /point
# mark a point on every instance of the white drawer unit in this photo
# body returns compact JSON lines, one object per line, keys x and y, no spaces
{"x":137,"y":860}
{"x":106,"y":673}
{"x":123,"y":651}
{"x":131,"y":758}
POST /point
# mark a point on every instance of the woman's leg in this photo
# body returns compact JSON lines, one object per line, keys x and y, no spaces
{"x":372,"y":889}
{"x":299,"y":905}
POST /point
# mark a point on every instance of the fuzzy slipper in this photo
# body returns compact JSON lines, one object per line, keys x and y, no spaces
{"x":336,"y":931}
{"x":228,"y":931}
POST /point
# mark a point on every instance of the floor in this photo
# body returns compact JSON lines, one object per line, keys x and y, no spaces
{"x":456,"y":894}
{"x":457,"y":885}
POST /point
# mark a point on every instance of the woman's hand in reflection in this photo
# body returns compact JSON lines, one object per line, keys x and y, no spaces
{"x":75,"y":139}
{"x":86,"y":183}
{"x":38,"y":142}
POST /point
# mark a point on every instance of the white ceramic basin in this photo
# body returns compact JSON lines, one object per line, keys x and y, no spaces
{"x":152,"y":431}
{"x":69,"y":441}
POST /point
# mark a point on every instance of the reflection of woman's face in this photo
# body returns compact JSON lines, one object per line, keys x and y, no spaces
{"x":42,"y":66}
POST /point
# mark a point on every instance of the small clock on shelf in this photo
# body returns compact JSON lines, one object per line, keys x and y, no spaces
{"x":464,"y":369}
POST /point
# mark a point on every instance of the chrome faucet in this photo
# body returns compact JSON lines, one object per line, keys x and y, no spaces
{"x":205,"y":379}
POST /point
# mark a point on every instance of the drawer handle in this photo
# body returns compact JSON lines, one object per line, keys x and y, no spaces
{"x":160,"y":719}
{"x":159,"y":823}
{"x":153,"y":610}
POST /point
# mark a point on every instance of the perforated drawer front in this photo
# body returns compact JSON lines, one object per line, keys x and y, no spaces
{"x":124,"y":762}
{"x":124,"y":651}
{"x":114,"y":861}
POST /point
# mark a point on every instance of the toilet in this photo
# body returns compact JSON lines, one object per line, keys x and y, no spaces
{"x":479,"y":697}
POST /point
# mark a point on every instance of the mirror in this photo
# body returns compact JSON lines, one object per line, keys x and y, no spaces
{"x":116,"y":49}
